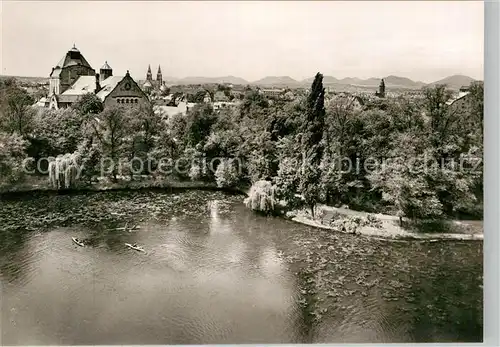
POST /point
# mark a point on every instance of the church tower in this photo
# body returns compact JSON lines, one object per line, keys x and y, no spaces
{"x":149,"y":75}
{"x":105,"y":72}
{"x":159,"y":77}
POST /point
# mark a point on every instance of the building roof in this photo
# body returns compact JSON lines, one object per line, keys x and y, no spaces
{"x":348,"y":97}
{"x":41,"y":102}
{"x":453,"y":100}
{"x":108,"y":85}
{"x":83,"y":85}
{"x":65,"y":98}
{"x":67,"y":60}
{"x":106,"y":66}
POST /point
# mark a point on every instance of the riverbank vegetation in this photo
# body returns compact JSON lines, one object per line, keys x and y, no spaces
{"x":312,"y":150}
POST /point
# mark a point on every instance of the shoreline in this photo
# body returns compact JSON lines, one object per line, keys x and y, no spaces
{"x":401,"y":235}
{"x":389,"y":229}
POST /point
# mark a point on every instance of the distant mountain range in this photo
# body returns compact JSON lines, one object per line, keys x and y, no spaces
{"x":207,"y":80}
{"x":453,"y":82}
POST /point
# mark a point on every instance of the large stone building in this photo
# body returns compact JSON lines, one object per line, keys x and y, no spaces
{"x":73,"y":77}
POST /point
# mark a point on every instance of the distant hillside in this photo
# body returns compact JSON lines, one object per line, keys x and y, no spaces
{"x":390,"y":81}
{"x":397,"y":81}
{"x":455,"y":81}
{"x":212,"y":80}
{"x":326,"y":80}
{"x":352,"y":80}
{"x":276,"y":81}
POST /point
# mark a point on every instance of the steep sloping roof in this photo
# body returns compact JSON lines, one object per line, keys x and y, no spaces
{"x":67,"y":60}
{"x":106,"y":66}
{"x":108,"y":85}
{"x":83,"y":85}
{"x":453,"y":100}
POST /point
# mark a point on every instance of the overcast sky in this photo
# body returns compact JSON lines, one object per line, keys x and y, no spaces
{"x":423,"y":41}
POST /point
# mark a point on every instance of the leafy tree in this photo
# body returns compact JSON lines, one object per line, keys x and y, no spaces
{"x":90,"y":155}
{"x":287,"y":178}
{"x":55,"y":132}
{"x":311,"y":143}
{"x":261,"y":197}
{"x":112,"y":129}
{"x":261,"y":163}
{"x":450,"y":130}
{"x":253,"y":103}
{"x":16,"y":113}
{"x":12,"y":153}
{"x":405,"y":180}
{"x":199,"y":122}
{"x":88,"y":104}
{"x":227,"y":174}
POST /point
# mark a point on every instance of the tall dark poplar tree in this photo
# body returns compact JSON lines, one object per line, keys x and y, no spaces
{"x":311,"y":143}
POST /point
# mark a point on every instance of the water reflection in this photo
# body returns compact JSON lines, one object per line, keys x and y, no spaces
{"x":213,"y":273}
{"x":192,"y":285}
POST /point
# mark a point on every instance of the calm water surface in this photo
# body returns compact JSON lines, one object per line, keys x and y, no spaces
{"x":213,"y":272}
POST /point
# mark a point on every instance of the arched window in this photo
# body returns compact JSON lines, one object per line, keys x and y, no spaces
{"x":127,"y":101}
{"x":136,"y":101}
{"x":118,"y":100}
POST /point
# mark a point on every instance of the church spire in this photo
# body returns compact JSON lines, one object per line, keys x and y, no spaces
{"x":159,"y":77}
{"x":149,"y":75}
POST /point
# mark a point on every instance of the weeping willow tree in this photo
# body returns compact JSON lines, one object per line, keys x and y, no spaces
{"x":63,"y":171}
{"x":261,"y":197}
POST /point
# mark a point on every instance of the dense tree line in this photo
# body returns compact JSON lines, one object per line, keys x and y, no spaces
{"x":312,"y":149}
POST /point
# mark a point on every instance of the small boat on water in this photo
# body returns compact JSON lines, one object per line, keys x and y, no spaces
{"x":78,"y":242}
{"x":137,"y":248}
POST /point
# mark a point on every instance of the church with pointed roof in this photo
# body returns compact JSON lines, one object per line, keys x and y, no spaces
{"x":73,"y":77}
{"x":151,"y":85}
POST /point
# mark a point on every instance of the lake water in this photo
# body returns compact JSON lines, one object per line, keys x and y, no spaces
{"x":213,"y":272}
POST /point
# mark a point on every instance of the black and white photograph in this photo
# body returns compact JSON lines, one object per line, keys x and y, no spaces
{"x":241,"y":172}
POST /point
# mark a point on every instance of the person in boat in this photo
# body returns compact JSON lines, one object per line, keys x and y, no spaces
{"x":135,"y":245}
